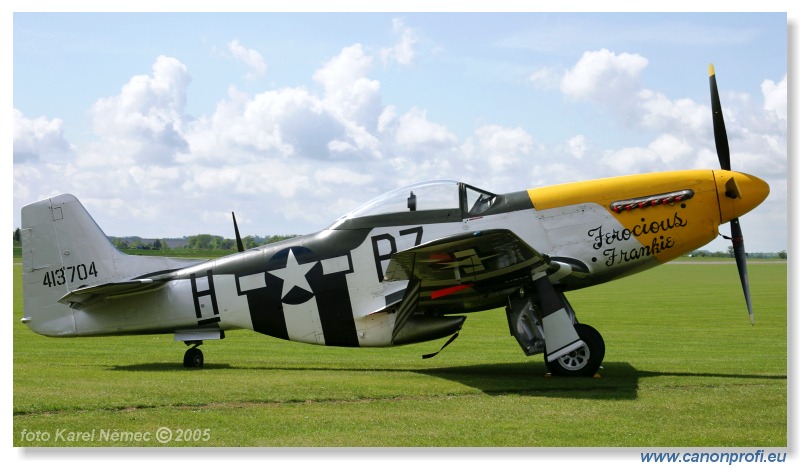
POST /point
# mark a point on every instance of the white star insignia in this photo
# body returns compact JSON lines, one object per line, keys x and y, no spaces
{"x":294,"y":274}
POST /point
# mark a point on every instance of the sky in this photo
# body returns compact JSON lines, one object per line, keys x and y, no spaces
{"x":162,"y":124}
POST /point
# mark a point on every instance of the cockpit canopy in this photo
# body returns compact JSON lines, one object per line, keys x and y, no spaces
{"x":429,"y":201}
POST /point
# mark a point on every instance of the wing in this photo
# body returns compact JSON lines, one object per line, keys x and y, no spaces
{"x":467,"y":258}
{"x":450,"y":269}
{"x":462,"y":273}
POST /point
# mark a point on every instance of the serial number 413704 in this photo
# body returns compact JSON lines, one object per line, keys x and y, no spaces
{"x":70,"y":274}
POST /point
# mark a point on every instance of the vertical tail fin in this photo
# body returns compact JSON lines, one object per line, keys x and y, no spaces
{"x":63,"y":249}
{"x":42,"y":262}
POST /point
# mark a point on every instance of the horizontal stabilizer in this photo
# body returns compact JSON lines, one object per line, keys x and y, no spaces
{"x":95,"y":292}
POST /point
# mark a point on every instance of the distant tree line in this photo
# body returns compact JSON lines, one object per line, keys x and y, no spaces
{"x":729,"y":253}
{"x":155,"y":245}
{"x":201,"y":242}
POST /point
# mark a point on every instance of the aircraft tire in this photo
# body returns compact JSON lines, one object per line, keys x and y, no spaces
{"x":584,"y":361}
{"x":193,"y":358}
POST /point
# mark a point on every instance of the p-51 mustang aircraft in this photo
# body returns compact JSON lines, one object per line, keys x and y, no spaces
{"x":403,"y":268}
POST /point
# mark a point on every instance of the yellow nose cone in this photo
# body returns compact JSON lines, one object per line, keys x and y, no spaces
{"x":738,"y":193}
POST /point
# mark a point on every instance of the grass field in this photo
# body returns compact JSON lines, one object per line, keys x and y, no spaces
{"x":683,"y":368}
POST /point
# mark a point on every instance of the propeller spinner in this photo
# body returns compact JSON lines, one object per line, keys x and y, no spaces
{"x":724,"y":155}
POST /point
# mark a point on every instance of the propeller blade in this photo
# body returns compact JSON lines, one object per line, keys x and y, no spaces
{"x":724,"y":155}
{"x":720,"y":135}
{"x":741,"y":263}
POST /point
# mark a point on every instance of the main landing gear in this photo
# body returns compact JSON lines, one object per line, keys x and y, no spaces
{"x":193,"y":358}
{"x":583,"y":361}
{"x":546,"y":314}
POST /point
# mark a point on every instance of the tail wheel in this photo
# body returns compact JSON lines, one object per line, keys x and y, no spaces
{"x":193,"y":358}
{"x":584,"y":361}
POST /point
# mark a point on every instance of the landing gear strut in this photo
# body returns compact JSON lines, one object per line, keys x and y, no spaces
{"x":525,"y":319}
{"x":193,"y":358}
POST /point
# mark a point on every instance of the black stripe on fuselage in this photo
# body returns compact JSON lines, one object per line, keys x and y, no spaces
{"x":334,"y":306}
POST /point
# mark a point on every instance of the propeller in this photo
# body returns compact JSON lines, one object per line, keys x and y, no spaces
{"x":724,"y":155}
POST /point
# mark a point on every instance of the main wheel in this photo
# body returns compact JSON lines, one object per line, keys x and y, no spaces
{"x":193,"y":358}
{"x":584,"y":361}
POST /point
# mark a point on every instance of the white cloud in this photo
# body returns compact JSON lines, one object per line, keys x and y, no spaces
{"x":546,"y":78}
{"x":348,"y":91}
{"x":403,"y":51}
{"x":667,"y":152}
{"x":603,"y":76}
{"x":339,"y":175}
{"x":42,"y":158}
{"x":630,"y":160}
{"x":294,"y":122}
{"x":657,"y":112}
{"x":145,"y":121}
{"x":577,"y":146}
{"x":38,"y":139}
{"x":26,"y":179}
{"x":775,"y":97}
{"x":387,"y":118}
{"x":283,"y":123}
{"x":500,"y":158}
{"x":351,"y":65}
{"x":671,"y":149}
{"x":250,"y":58}
{"x":146,"y":103}
{"x":502,"y":148}
{"x":414,"y":130}
{"x":155,"y":178}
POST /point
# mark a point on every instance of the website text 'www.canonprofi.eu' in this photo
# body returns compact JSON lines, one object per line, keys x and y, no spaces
{"x":729,"y":457}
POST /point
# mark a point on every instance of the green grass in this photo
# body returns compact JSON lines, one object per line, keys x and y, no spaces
{"x":683,"y":367}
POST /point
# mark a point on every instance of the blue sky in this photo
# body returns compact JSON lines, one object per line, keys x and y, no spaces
{"x":162,"y":124}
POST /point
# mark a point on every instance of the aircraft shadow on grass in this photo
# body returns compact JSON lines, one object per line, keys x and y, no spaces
{"x":618,"y":380}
